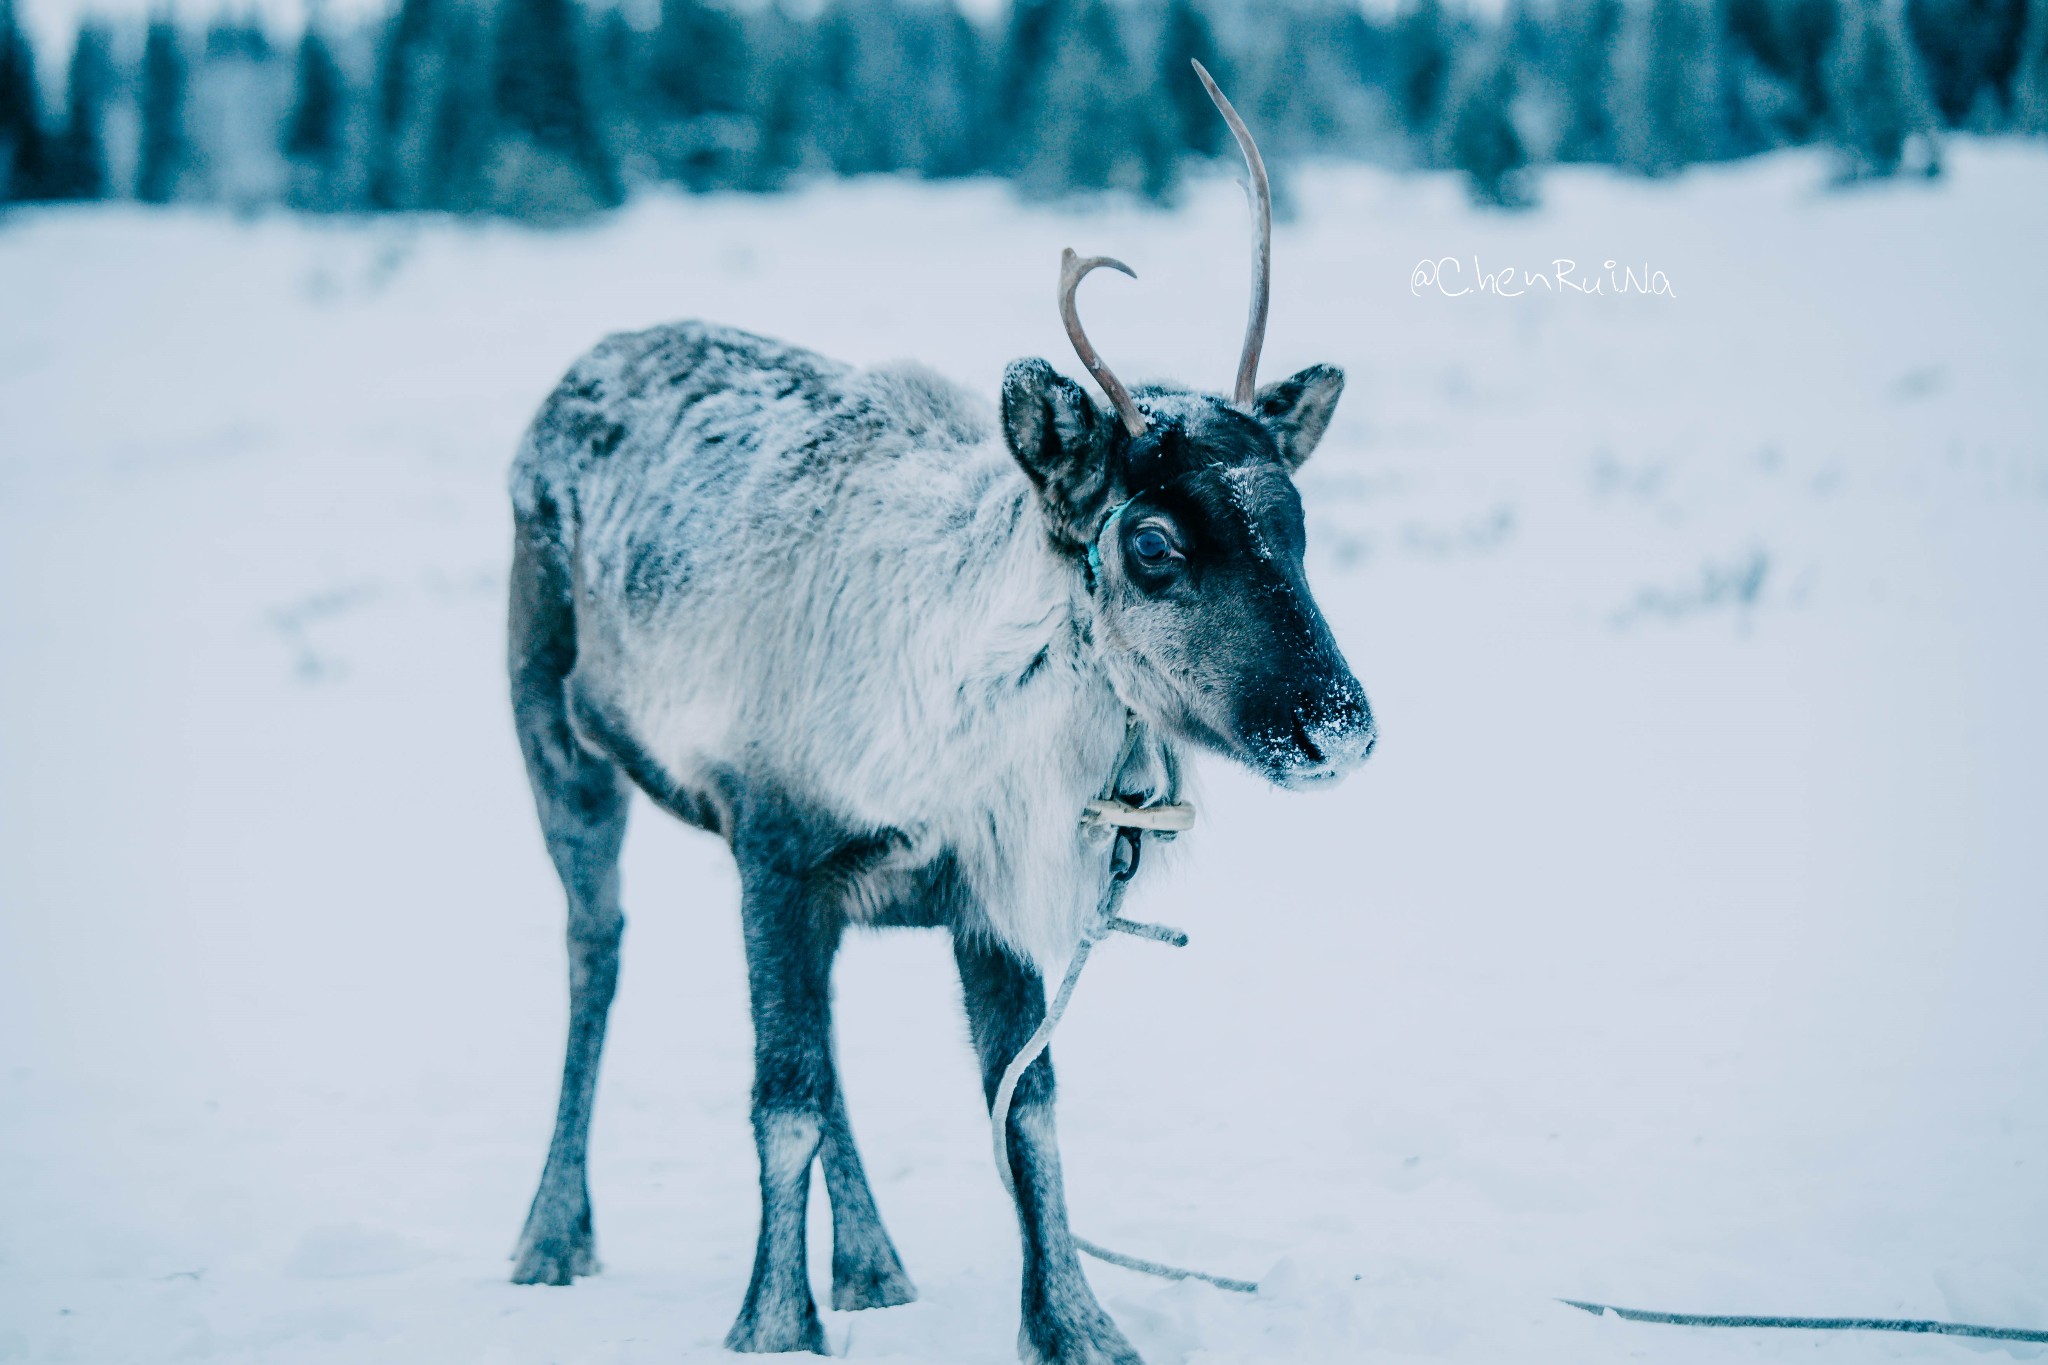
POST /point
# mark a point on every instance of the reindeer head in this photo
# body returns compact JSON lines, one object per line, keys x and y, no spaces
{"x":1181,"y":508}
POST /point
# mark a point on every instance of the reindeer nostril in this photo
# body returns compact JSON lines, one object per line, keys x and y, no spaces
{"x":1306,"y":746}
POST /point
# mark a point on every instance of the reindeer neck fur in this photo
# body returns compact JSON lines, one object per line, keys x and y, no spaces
{"x":1016,"y":722}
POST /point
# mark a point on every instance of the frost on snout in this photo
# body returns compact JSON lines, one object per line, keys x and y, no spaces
{"x":1307,"y":724}
{"x":1252,"y":675}
{"x":1225,"y":646}
{"x":1324,"y":741}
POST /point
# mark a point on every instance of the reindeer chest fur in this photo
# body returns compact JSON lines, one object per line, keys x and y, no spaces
{"x":838,"y":583}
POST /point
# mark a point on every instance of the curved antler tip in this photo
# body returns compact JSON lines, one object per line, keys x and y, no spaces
{"x":1073,"y":269}
{"x":1075,"y":266}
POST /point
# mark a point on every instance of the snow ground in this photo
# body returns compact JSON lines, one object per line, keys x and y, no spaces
{"x":1682,"y":946}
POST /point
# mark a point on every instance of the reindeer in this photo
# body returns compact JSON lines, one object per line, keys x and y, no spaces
{"x":887,"y":644}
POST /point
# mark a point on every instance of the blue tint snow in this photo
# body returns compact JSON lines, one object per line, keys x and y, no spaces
{"x":1682,"y":946}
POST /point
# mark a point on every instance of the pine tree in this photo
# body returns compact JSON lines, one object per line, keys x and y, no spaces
{"x":1970,"y":52}
{"x":549,"y":161}
{"x":699,"y":59}
{"x":698,"y":65}
{"x":237,"y":97}
{"x":860,"y":86}
{"x":615,"y":62}
{"x":1759,"y":108}
{"x":1184,"y":37}
{"x":431,"y":131}
{"x":900,"y":88}
{"x":1358,"y":61}
{"x":2030,"y":80}
{"x":704,"y":52}
{"x":780,"y":101}
{"x":1582,"y":67}
{"x":1301,"y":93}
{"x":405,"y":63}
{"x":957,"y":135}
{"x":1421,"y":56}
{"x":1880,"y":101}
{"x":1022,"y":60}
{"x":412,"y":67}
{"x":315,"y":130}
{"x":1089,"y":122}
{"x":23,"y":168}
{"x":1667,"y":111}
{"x":164,"y":151}
{"x":1478,"y":135}
{"x":1779,"y":49}
{"x":78,"y":155}
{"x":461,"y":132}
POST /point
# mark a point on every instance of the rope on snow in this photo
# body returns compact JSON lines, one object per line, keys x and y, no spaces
{"x":1927,"y":1326}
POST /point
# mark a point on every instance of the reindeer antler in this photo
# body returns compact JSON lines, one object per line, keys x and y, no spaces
{"x":1073,"y":269}
{"x":1260,"y":192}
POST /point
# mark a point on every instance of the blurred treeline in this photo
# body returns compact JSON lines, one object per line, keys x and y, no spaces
{"x":549,"y":109}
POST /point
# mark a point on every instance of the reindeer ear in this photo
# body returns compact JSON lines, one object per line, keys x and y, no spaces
{"x":1062,"y":440}
{"x":1298,"y":408}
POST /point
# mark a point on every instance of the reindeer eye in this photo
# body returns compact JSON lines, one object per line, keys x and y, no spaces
{"x":1151,"y":545}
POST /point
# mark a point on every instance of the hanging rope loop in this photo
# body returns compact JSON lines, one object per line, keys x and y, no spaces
{"x":1131,"y":821}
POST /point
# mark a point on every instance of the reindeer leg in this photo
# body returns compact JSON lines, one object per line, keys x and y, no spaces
{"x":581,"y":798}
{"x":790,"y":940}
{"x":866,"y":1272}
{"x":1063,"y":1324}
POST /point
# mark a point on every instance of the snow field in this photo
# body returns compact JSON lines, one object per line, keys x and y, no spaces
{"x":1681,"y":947}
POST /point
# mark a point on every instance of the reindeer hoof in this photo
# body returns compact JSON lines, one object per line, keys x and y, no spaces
{"x":866,"y":1272}
{"x":1093,"y":1340}
{"x":553,"y":1260}
{"x":881,"y":1285}
{"x":767,"y":1333}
